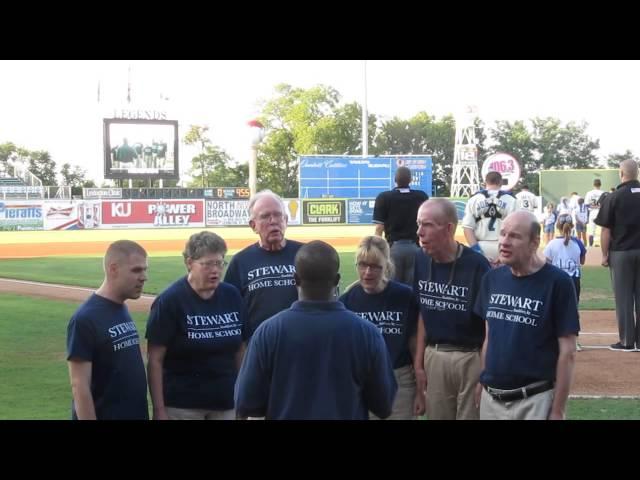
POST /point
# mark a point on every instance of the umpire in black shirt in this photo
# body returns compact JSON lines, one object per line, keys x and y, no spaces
{"x":619,"y":217}
{"x":395,"y":214}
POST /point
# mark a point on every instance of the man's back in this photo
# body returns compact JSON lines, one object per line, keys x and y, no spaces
{"x":316,"y":361}
{"x":397,"y":210}
{"x":527,"y":201}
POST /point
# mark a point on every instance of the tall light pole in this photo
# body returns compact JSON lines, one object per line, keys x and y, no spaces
{"x":257,"y":134}
{"x":365,"y":118}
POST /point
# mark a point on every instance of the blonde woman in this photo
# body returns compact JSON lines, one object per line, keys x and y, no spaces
{"x":392,"y":307}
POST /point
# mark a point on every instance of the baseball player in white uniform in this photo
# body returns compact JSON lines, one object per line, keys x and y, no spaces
{"x":527,"y":200}
{"x":592,"y":198}
{"x":483,"y":215}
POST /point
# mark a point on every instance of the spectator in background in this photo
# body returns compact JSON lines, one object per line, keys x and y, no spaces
{"x":568,"y":254}
{"x":581,"y":217}
{"x":592,"y":200}
{"x":394,"y":214}
{"x":549,"y":222}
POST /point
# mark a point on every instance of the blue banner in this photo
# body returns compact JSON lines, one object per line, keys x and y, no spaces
{"x":327,"y":176}
{"x":360,"y":210}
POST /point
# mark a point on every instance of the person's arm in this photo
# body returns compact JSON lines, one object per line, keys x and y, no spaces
{"x":564,"y":376}
{"x":240,"y":355}
{"x":80,"y":377}
{"x":155,"y":355}
{"x":470,"y":236}
{"x":381,"y":386}
{"x":379,"y":229}
{"x":483,"y":354}
{"x":605,"y":242}
{"x":419,"y":403}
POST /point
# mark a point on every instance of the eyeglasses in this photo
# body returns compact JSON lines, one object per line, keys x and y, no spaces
{"x":266,"y":216}
{"x":213,"y":263}
{"x":363,"y":266}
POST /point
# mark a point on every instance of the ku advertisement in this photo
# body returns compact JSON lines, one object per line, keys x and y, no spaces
{"x":152,"y":213}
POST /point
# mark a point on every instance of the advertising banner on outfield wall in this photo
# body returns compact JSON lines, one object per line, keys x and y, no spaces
{"x":152,"y":213}
{"x":360,"y":210}
{"x":292,"y":206}
{"x":61,"y":215}
{"x":21,"y":215}
{"x":222,"y":213}
{"x":227,"y":212}
{"x":323,"y":212}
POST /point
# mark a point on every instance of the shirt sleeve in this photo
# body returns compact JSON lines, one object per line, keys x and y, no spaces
{"x":565,"y":307}
{"x":606,"y":217}
{"x":469,"y":219}
{"x":380,"y":210}
{"x":232,"y":275}
{"x":252,"y":387}
{"x":380,"y":388}
{"x":80,"y":339}
{"x":161,"y":324}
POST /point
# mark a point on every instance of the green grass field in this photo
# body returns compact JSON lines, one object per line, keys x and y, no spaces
{"x":87,"y":272}
{"x":34,"y":382}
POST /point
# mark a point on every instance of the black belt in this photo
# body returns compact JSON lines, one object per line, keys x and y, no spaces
{"x":448,"y":347}
{"x":519,"y":393}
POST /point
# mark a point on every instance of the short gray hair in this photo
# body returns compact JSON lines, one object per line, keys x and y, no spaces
{"x":204,"y":243}
{"x":262,"y":194}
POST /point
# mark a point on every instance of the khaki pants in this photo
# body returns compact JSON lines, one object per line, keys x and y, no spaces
{"x":200,"y":414}
{"x":403,"y":404}
{"x":536,"y":407}
{"x":451,"y":382}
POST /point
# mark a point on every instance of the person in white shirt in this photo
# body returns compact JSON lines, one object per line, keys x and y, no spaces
{"x":580,"y":219}
{"x":484,"y":213}
{"x":527,"y":200}
{"x":592,"y":199}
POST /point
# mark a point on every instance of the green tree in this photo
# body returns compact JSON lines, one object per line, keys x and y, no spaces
{"x":422,"y":134}
{"x":42,"y":166}
{"x":305,"y":122}
{"x":218,"y":168}
{"x":197,"y":135}
{"x":614,"y":159}
{"x":546,"y":145}
{"x":75,"y":177}
{"x":6,"y":149}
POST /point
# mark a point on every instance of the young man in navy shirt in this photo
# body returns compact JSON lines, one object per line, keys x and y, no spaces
{"x":531,"y":317}
{"x":107,"y":374}
{"x":263,"y":272}
{"x":316,"y":360}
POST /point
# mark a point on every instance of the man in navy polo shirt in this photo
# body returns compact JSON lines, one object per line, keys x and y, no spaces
{"x":107,"y":375}
{"x":316,"y":360}
{"x":619,"y":217}
{"x":531,"y":317}
{"x":394,"y":214}
{"x":263,"y":272}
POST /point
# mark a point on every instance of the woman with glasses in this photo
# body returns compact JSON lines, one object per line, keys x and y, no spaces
{"x":392,"y":307}
{"x":196,"y":338}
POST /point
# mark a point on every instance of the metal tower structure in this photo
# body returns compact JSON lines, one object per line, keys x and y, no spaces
{"x":465,"y":179}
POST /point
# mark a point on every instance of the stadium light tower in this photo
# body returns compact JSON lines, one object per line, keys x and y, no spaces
{"x":465,"y":180}
{"x":257,"y":134}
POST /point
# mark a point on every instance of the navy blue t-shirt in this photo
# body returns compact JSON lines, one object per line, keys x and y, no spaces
{"x":526,"y":316}
{"x":265,"y":280}
{"x":394,"y":311}
{"x":202,"y":339}
{"x":447,"y":306}
{"x":316,"y":361}
{"x":103,"y":333}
